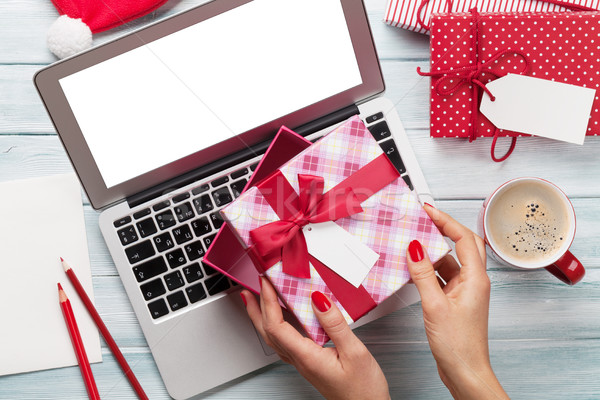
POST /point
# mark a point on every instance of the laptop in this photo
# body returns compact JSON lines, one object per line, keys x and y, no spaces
{"x":164,"y":126}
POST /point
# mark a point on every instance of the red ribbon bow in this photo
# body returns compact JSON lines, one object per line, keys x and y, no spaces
{"x":287,"y":237}
{"x":472,"y":75}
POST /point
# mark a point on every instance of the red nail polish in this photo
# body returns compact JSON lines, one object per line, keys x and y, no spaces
{"x":320,"y":301}
{"x":427,"y":204}
{"x":243,"y":299}
{"x":260,"y":282}
{"x":416,"y":251}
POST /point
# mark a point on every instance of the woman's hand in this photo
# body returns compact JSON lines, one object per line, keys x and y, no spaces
{"x":456,"y":309}
{"x":346,"y":371}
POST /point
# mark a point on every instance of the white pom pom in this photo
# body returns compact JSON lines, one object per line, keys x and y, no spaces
{"x":68,"y":36}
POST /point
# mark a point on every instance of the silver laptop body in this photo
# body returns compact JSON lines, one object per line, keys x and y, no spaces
{"x":193,"y":318}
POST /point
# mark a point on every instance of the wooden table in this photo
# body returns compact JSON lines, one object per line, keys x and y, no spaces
{"x":544,"y":335}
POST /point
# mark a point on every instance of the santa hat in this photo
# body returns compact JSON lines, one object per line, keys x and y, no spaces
{"x":72,"y":31}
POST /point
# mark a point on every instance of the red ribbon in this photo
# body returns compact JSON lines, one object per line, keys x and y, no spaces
{"x":284,"y":241}
{"x":472,"y":75}
{"x":287,"y":236}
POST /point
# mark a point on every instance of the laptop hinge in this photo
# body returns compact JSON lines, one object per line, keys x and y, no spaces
{"x":236,"y":158}
{"x":328,"y":120}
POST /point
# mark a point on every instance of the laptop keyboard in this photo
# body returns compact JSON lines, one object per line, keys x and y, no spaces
{"x":166,"y":241}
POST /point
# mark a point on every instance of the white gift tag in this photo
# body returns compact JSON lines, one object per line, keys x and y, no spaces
{"x":539,"y":107}
{"x":340,"y":251}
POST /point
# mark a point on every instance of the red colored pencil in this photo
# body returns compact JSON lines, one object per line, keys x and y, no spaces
{"x":84,"y":365}
{"x":104,"y":331}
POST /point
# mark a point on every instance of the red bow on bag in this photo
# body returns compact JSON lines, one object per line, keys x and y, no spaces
{"x":286,"y":236}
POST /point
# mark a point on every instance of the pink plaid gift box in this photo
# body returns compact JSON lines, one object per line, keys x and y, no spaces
{"x":391,"y":218}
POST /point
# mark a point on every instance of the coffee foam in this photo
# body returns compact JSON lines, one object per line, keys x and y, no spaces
{"x":529,"y":222}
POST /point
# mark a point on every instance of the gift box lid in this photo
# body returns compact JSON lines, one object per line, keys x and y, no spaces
{"x":226,"y":254}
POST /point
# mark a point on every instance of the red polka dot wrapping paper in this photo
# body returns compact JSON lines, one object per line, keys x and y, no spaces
{"x":391,"y":219}
{"x":403,"y":13}
{"x":562,"y":47}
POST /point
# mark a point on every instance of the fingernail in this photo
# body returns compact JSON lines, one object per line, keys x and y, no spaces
{"x":320,"y":301}
{"x":243,"y":299}
{"x":416,"y":251}
{"x":427,"y":204}
{"x":260,"y":282}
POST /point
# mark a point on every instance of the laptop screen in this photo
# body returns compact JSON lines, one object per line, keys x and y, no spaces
{"x":205,"y":84}
{"x":187,"y":91}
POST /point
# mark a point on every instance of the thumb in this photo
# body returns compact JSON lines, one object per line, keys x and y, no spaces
{"x":422,"y":273}
{"x":334,"y":323}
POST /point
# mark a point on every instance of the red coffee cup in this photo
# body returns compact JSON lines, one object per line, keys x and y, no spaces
{"x":512,"y":220}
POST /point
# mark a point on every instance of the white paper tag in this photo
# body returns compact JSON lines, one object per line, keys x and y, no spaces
{"x":539,"y":107}
{"x":340,"y":251}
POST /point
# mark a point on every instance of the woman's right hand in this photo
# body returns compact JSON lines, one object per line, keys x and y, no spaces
{"x":455,"y":310}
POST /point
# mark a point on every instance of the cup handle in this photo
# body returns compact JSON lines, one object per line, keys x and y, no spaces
{"x":567,"y":268}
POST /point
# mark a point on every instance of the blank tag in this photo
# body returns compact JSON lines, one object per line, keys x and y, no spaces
{"x":539,"y":107}
{"x":340,"y":251}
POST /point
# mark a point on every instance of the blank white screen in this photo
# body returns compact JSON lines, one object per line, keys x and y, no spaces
{"x":211,"y":81}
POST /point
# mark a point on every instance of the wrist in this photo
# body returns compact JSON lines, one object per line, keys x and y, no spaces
{"x":480,"y":384}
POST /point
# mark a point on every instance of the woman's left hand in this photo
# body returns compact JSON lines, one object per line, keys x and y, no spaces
{"x":346,"y":371}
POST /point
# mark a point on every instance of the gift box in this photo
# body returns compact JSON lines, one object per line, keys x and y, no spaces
{"x":340,"y":199}
{"x":469,"y":50}
{"x":415,"y":15}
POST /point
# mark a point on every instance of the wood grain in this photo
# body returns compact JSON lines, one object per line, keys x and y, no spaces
{"x":543,"y":334}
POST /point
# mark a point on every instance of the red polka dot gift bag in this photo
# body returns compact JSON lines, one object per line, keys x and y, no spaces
{"x":471,"y":49}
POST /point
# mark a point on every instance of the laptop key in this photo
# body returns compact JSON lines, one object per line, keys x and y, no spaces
{"x":203,"y":204}
{"x":161,"y":205}
{"x":176,"y":258}
{"x":222,"y":196}
{"x":380,"y":130}
{"x":192,"y":272}
{"x":208,"y":240}
{"x":150,"y":269}
{"x":201,"y":226}
{"x":196,"y":292}
{"x":141,"y":213}
{"x":120,"y":222}
{"x":163,"y":242}
{"x":174,"y":280}
{"x":200,"y":189}
{"x":237,"y":187}
{"x":165,"y":220}
{"x":253,"y":166}
{"x":220,"y":181}
{"x":389,"y":148}
{"x":182,"y":234}
{"x":239,"y":173}
{"x":208,"y":269}
{"x":375,"y":117}
{"x":140,"y":251}
{"x":153,"y":289}
{"x":181,"y":197}
{"x":127,"y":235}
{"x":217,"y":219}
{"x":158,"y":308}
{"x":184,"y":211}
{"x":408,"y":182}
{"x":194,"y":250}
{"x":216,"y":284}
{"x":177,"y":301}
{"x":146,"y":227}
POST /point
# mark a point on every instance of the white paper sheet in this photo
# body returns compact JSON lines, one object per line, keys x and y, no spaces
{"x":41,"y":220}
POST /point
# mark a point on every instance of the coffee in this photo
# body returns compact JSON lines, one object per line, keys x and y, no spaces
{"x":529,"y":222}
